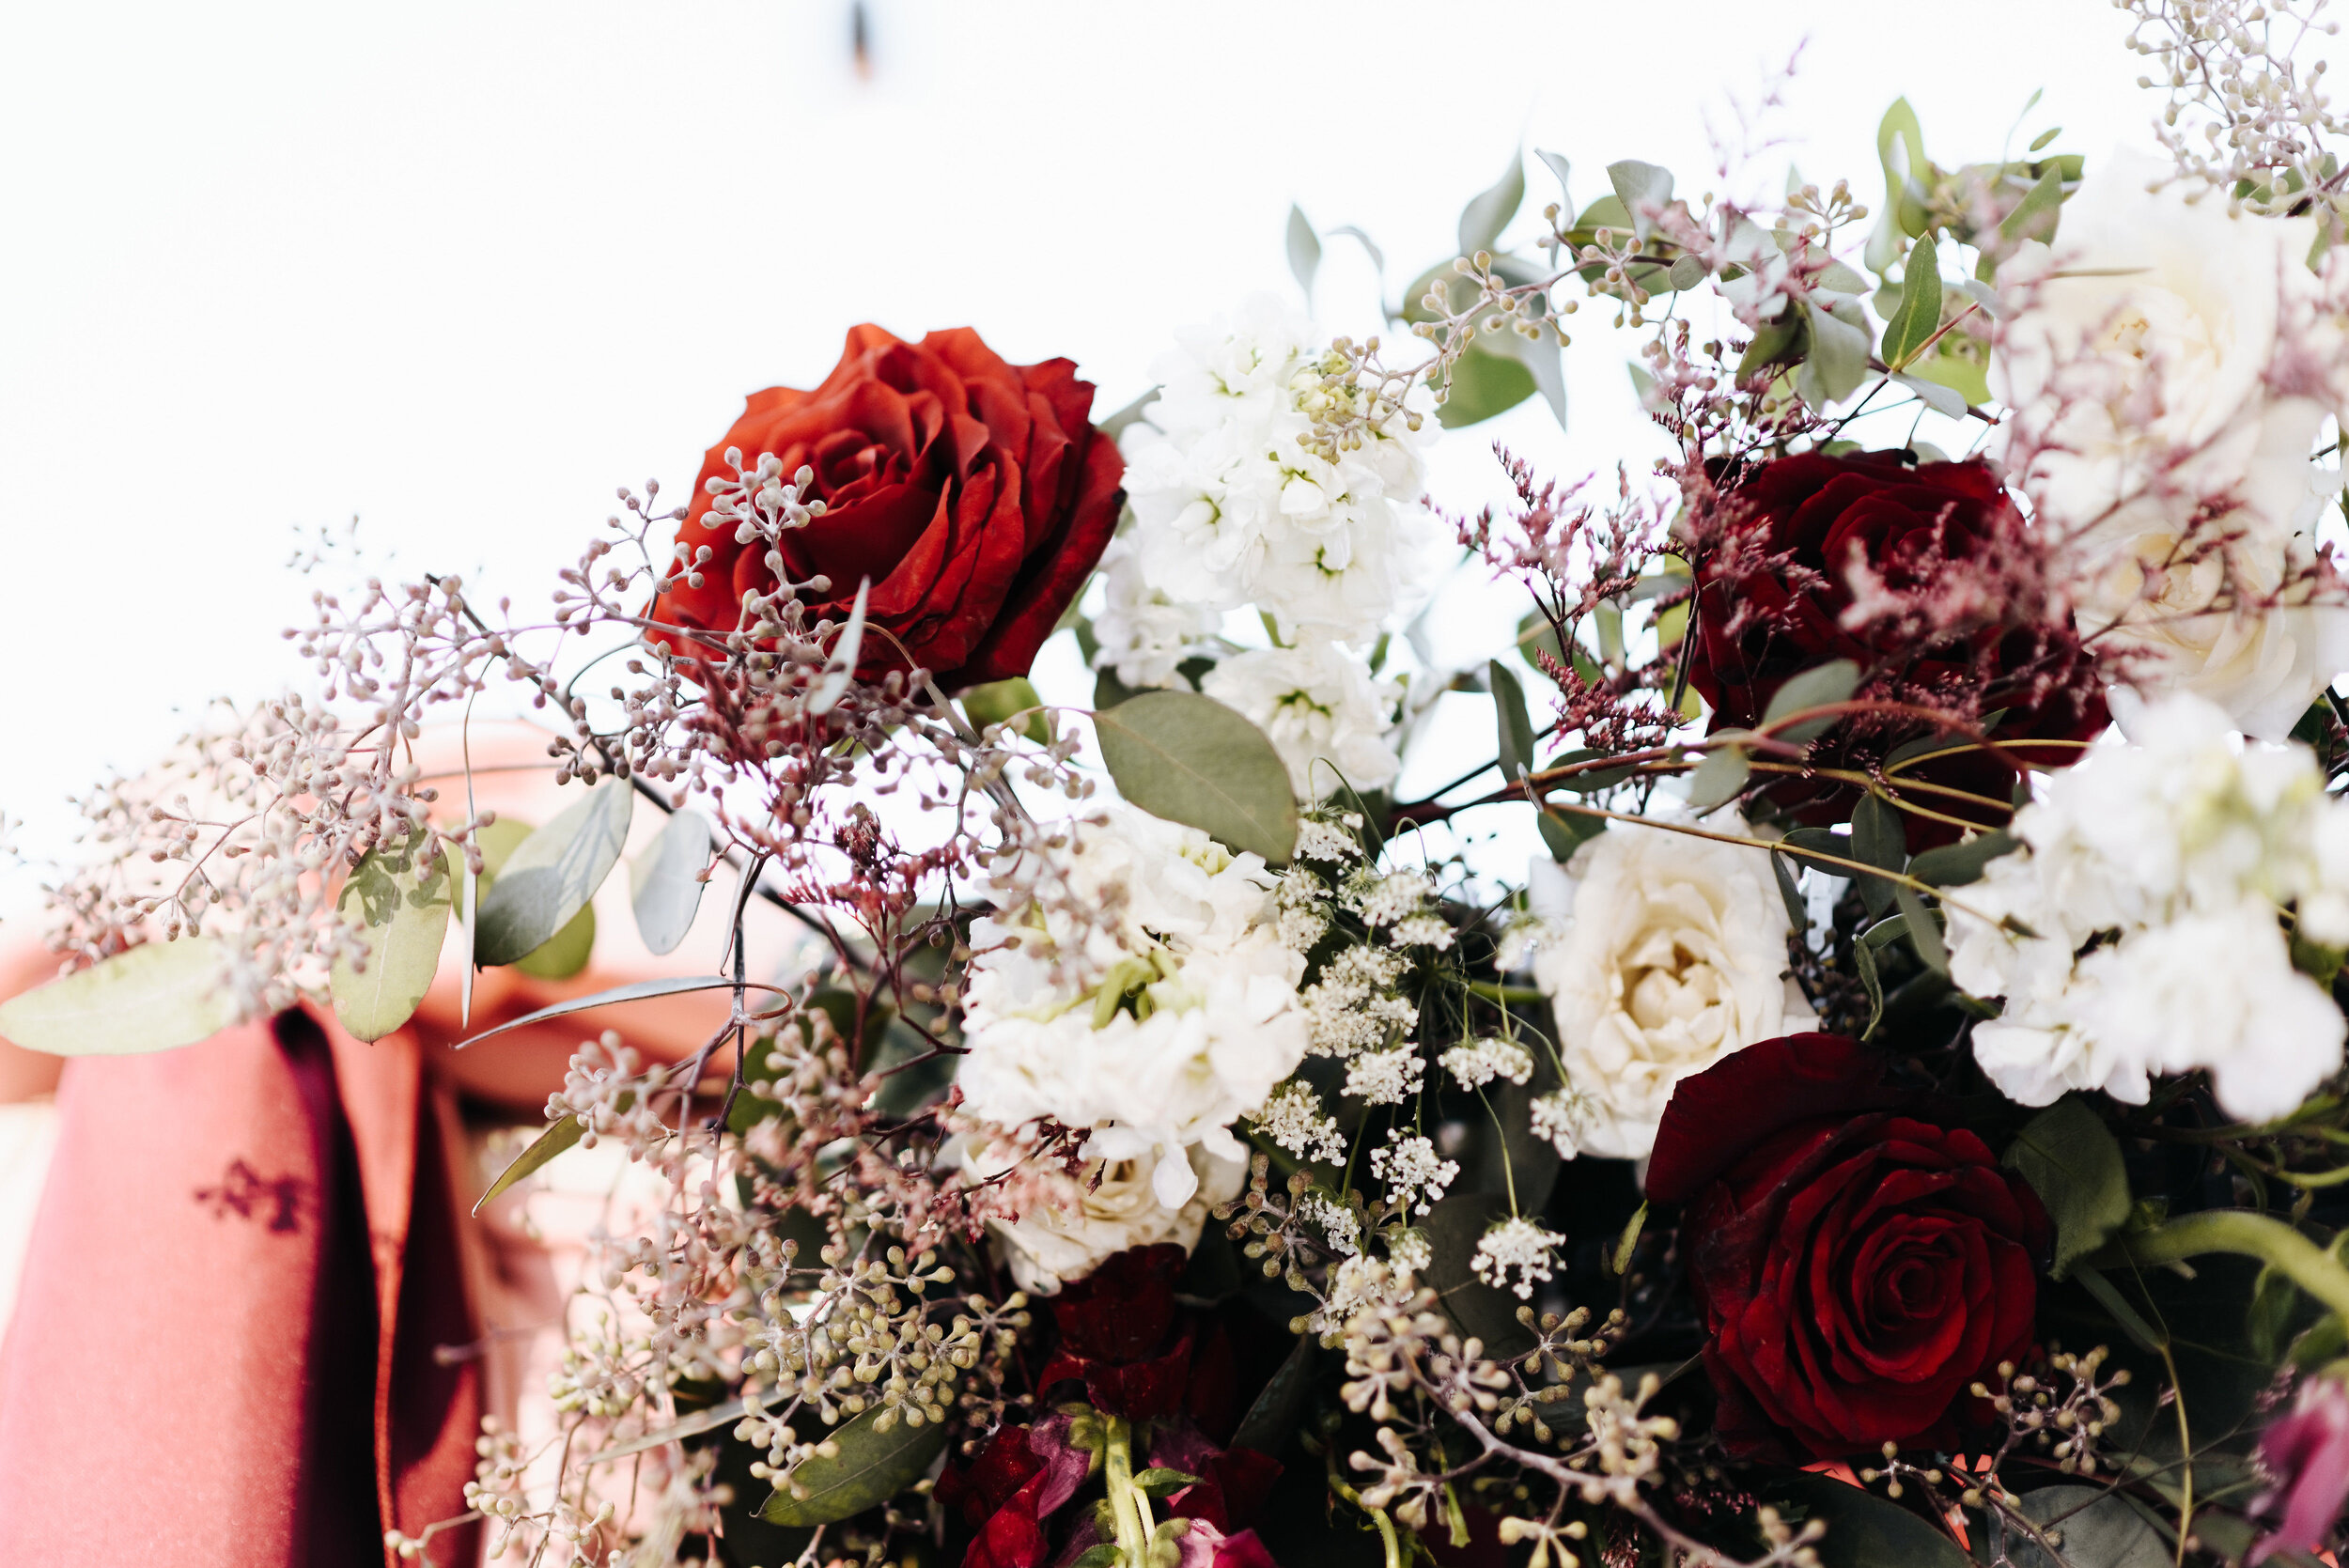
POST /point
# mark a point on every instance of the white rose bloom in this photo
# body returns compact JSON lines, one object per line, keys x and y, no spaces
{"x":1670,"y":953}
{"x":1148,"y":998}
{"x":1050,"y":1246}
{"x":1320,"y":706}
{"x":2166,"y":389}
{"x":2171,"y":857}
{"x":1141,"y":634}
{"x":1229,"y":510}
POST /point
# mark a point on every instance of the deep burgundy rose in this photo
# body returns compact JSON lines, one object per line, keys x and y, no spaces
{"x":1018,"y":1480}
{"x":1121,"y":1337}
{"x":1858,"y":1264}
{"x":973,"y":493}
{"x":1773,"y":578}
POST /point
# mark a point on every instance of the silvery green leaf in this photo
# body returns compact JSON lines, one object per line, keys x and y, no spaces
{"x":1378,"y":256}
{"x":1190,"y":759}
{"x":552,"y":874}
{"x":841,"y":667}
{"x":1556,"y":163}
{"x":1641,"y":188}
{"x":1718,"y":778}
{"x":1986,"y":297}
{"x":562,"y":1135}
{"x":2070,"y":1159}
{"x":1829,"y":683}
{"x":640,"y":991}
{"x":871,"y":1465}
{"x":1542,"y":360}
{"x":157,"y":996}
{"x":1305,"y":250}
{"x":665,"y":886}
{"x":1516,"y":726}
{"x":405,"y":909}
{"x":1924,"y":929}
{"x":1919,"y":317}
{"x":1945,"y":401}
{"x":1838,"y":361}
{"x":1489,"y":213}
{"x":1878,"y":838}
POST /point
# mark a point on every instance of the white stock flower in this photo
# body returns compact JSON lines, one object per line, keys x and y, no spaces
{"x":1148,"y":998}
{"x":2170,"y":856}
{"x":1141,"y":634}
{"x":1229,"y":510}
{"x":1324,"y":711}
{"x":1118,"y":1207}
{"x":1671,"y":953}
{"x":2170,"y":366}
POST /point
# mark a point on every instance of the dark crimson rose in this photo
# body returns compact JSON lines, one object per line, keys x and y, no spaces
{"x":1018,"y":1480}
{"x":1948,"y":555}
{"x":1118,"y":1334}
{"x":1858,"y":1264}
{"x":973,"y":493}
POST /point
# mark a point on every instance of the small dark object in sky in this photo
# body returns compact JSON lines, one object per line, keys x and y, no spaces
{"x":860,"y":39}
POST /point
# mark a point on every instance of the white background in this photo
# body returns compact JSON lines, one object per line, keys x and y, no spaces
{"x":461,"y":269}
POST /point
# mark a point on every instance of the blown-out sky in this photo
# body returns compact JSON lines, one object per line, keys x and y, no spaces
{"x":459,"y":270}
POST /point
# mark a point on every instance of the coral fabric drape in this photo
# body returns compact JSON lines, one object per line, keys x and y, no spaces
{"x":247,"y":1255}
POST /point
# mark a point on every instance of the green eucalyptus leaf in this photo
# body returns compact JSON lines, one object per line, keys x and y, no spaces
{"x":156,"y":997}
{"x":1920,"y":314}
{"x":1304,"y":248}
{"x":1718,"y":778}
{"x":1557,"y":164}
{"x":562,"y":1135}
{"x":1159,"y":1482}
{"x":1924,"y":929}
{"x":665,"y":886}
{"x":1944,"y":400}
{"x":1878,"y":838}
{"x":1798,"y":911}
{"x":997,"y":701}
{"x":1516,"y":726}
{"x":1484,"y":382}
{"x":1564,"y":831}
{"x":1269,"y":1420}
{"x":1639,"y":186}
{"x":872,"y":1466}
{"x":1489,"y":213}
{"x":1954,"y":866}
{"x":404,"y":907}
{"x":1541,"y":359}
{"x":2100,"y":1528}
{"x":1190,"y":759}
{"x":1829,"y":683}
{"x":2036,"y":215}
{"x":2072,"y":1162}
{"x":1838,"y":361}
{"x":551,"y":875}
{"x":1863,"y":1529}
{"x":640,"y":991}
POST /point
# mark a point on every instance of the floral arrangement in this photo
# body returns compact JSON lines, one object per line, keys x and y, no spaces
{"x":1898,"y":1117}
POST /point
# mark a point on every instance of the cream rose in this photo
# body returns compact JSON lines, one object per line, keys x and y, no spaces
{"x":2169,"y":367}
{"x":1667,"y":952}
{"x":1051,"y":1245}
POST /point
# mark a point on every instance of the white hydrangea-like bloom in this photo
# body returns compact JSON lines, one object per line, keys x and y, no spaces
{"x":2184,"y":846}
{"x":1353,"y":1004}
{"x":1294,"y":1119}
{"x":1230,"y":510}
{"x":1521,"y":1246}
{"x":1667,"y":952}
{"x":1415,"y":1177}
{"x":1050,"y":1245}
{"x":1477,"y":1063}
{"x":1324,"y":711}
{"x":1142,"y":635}
{"x":2172,"y":362}
{"x":1147,"y":998}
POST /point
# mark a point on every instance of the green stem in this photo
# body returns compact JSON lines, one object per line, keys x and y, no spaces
{"x":2238,"y":1230}
{"x":1133,"y":1539}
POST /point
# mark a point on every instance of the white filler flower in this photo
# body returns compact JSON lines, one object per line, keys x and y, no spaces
{"x":1672,"y":954}
{"x":1229,"y":510}
{"x":1051,"y":1245}
{"x":2137,"y":932}
{"x":1146,"y":996}
{"x":1325,"y":714}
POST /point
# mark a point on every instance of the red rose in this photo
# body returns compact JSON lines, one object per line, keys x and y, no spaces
{"x":1121,"y":1335}
{"x":1951,"y":558}
{"x":973,"y":493}
{"x":1859,"y":1267}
